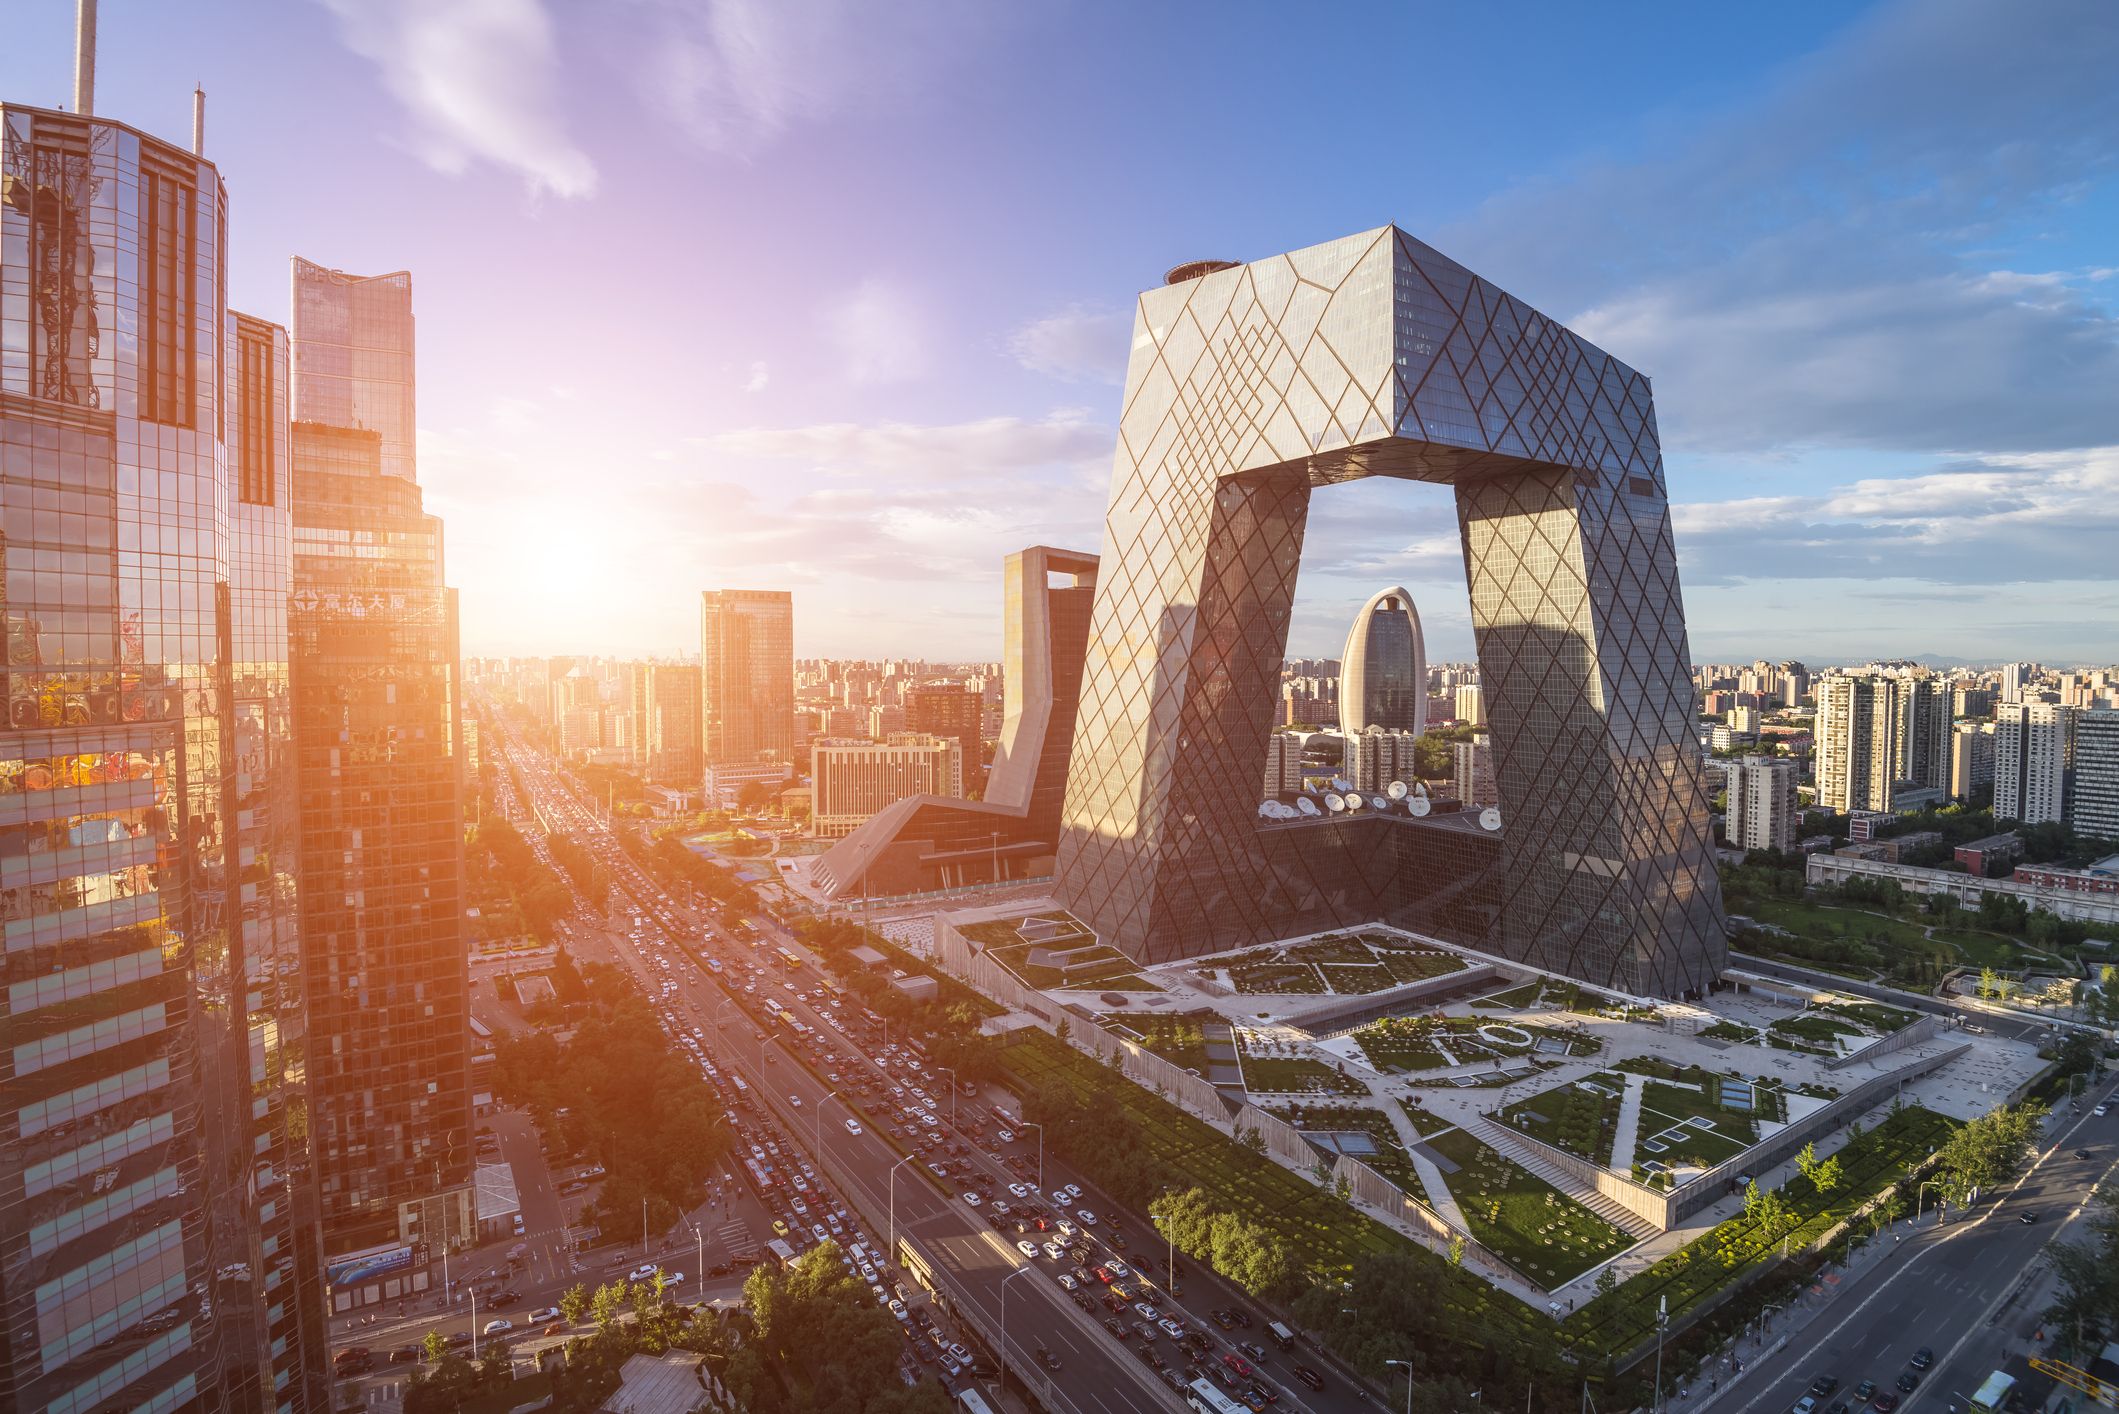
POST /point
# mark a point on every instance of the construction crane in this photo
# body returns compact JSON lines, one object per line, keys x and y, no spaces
{"x":2075,"y":1378}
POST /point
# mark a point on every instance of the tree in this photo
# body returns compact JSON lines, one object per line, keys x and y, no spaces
{"x":1989,"y":985}
{"x":1826,"y":1176}
{"x":1806,"y":1162}
{"x":1988,"y":1150}
{"x":1607,"y":1280}
{"x":575,"y":1303}
{"x":1456,"y":1250}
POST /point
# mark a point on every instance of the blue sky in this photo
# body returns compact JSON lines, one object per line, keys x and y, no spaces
{"x":833,"y":296}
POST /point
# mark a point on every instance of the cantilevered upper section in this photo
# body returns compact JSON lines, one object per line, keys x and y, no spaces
{"x":1377,"y":355}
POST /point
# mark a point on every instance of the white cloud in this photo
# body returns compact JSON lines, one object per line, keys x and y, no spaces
{"x":739,"y":74}
{"x":880,"y":332}
{"x":987,"y":449}
{"x":1076,"y":344}
{"x":479,"y":79}
{"x":760,"y":375}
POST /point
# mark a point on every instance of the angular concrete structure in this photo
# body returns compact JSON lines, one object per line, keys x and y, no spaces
{"x":1375,"y":355}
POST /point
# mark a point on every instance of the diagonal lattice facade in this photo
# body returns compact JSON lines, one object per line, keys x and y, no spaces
{"x":1374,"y":355}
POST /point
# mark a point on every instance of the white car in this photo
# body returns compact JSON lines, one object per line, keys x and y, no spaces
{"x":1067,"y":1283}
{"x":1147,"y":1312}
{"x":1055,"y":1249}
{"x":1118,"y":1268}
{"x":1173,"y":1329}
{"x":795,"y":1100}
{"x":673,"y":1279}
{"x":641,"y":1273}
{"x":1019,"y":1190}
{"x":972,"y":1199}
{"x":853,"y":1126}
{"x":1006,"y":1136}
{"x":1027,"y":1247}
{"x":868,"y":1274}
{"x":1066,"y":1228}
{"x":499,"y":1327}
{"x":1088,"y":1219}
{"x":897,"y":1308}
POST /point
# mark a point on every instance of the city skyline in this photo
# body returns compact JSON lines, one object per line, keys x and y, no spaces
{"x":1916,"y":427}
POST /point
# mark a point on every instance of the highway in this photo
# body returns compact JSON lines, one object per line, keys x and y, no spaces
{"x":1941,"y":1289}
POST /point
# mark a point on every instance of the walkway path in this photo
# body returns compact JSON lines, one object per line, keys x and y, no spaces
{"x":1628,"y":1130}
{"x":1438,"y":1194}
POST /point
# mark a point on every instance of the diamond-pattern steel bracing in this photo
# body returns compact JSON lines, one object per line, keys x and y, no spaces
{"x":1375,"y":355}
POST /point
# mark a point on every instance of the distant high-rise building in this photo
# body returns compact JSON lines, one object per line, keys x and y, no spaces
{"x":2034,"y":755}
{"x":1471,"y":705}
{"x":1762,"y":803}
{"x":373,"y":647}
{"x":1857,"y":731}
{"x":1283,"y":764}
{"x":157,"y":1246}
{"x":1377,"y":756}
{"x":2093,"y":802}
{"x":1473,"y":770}
{"x":673,"y":722}
{"x":949,"y":709}
{"x":850,"y":781}
{"x":746,"y":686}
{"x":1383,"y":675}
{"x":1924,"y":733}
{"x":1971,"y":759}
{"x":1971,"y":702}
{"x":2013,"y":677}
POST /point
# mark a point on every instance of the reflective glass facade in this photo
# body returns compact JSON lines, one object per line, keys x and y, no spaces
{"x":374,"y":669}
{"x":148,"y":1243}
{"x":746,"y":677}
{"x":1383,"y":674}
{"x":353,"y":359}
{"x":1375,"y":355}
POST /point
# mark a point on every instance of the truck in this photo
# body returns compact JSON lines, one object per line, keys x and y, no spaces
{"x":782,"y":1254}
{"x":1282,"y":1336}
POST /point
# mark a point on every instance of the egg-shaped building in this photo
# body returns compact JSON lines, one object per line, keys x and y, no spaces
{"x":1383,"y":674}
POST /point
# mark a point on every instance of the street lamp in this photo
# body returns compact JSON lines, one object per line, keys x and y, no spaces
{"x":1026,"y":1124}
{"x":952,"y":1093}
{"x":816,"y":1143}
{"x":1407,"y":1366}
{"x":1162,"y":1220}
{"x":894,"y":1203}
{"x":1018,"y":1272}
{"x":1662,"y":1324}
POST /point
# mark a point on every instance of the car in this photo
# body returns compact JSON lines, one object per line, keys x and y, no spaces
{"x":1885,"y":1402}
{"x":1922,"y":1358}
{"x":779,"y":1227}
{"x":499,"y":1327}
{"x":1147,"y":1312}
{"x":1111,"y":1324}
{"x":1087,"y":1218}
{"x":1806,"y":1405}
{"x":1007,"y":1136}
{"x":2101,"y":1110}
{"x":1120,"y":1269}
{"x":2027,"y":1216}
{"x":1252,"y":1348}
{"x":1309,"y":1377}
{"x":641,"y":1273}
{"x":795,"y":1100}
{"x":2082,"y":1153}
{"x":1071,"y":1191}
{"x":853,"y":1126}
{"x":1054,"y":1250}
{"x":1907,"y":1381}
{"x":1066,"y":1228}
{"x":1027,"y":1248}
{"x":1171,"y":1328}
{"x":972,"y":1199}
{"x":1047,"y":1358}
{"x":1824,"y":1385}
{"x":501,"y":1299}
{"x":1067,"y":1283}
{"x":542,"y":1314}
{"x":1102,"y":1274}
{"x":1018,"y":1190}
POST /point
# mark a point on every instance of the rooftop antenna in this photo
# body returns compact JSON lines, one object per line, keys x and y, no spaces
{"x":198,"y":121}
{"x":85,"y":57}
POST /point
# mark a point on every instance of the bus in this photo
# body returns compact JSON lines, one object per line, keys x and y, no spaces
{"x":971,"y":1401}
{"x":1202,"y":1396}
{"x":787,"y":956}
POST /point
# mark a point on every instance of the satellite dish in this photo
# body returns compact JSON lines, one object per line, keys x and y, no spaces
{"x":1419,"y":805}
{"x":1335,"y":803}
{"x":1307,"y":806}
{"x":1395,"y":790}
{"x":1265,"y":809}
{"x":1420,"y":789}
{"x":1377,"y":802}
{"x":1353,"y":801}
{"x":1489,"y":819}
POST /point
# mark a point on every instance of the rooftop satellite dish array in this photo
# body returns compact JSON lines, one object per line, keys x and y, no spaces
{"x":1342,"y":799}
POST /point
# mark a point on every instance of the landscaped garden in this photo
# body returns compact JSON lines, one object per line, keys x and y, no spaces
{"x":1700,"y":1127}
{"x":1413,"y":1043}
{"x":1389,"y":1159}
{"x":1424,"y":1120}
{"x":1521,"y":1218}
{"x":1087,"y":964}
{"x":1621,"y":1319}
{"x":1267,"y":1074}
{"x":1816,"y":1032}
{"x":1514,"y":999}
{"x":1344,"y":964}
{"x":1581,"y":1117}
{"x":1180,"y":1040}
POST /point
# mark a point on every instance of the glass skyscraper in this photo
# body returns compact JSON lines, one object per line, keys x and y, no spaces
{"x":1383,"y":675}
{"x":1376,"y":355}
{"x":378,"y":739}
{"x":151,"y":1242}
{"x":746,"y":685}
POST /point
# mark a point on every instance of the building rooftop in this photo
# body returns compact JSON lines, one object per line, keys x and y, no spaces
{"x":659,"y":1384}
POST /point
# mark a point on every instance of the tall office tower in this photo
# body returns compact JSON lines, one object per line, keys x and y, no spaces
{"x":1971,"y":702}
{"x":1383,"y":676}
{"x":1394,"y":361}
{"x":948,"y":709}
{"x":1283,"y":764}
{"x":1762,"y":803}
{"x":1971,"y":759}
{"x":851,"y":781}
{"x":1472,"y":767}
{"x":1924,"y":733}
{"x":1857,"y":732}
{"x":637,"y":700}
{"x":746,"y":687}
{"x":2093,"y":800}
{"x":1376,"y":757}
{"x":353,"y":357}
{"x":373,"y":650}
{"x":1471,"y":705}
{"x":1795,"y":682}
{"x":673,"y":723}
{"x":2034,"y":756}
{"x":2013,"y":676}
{"x":150,"y":1252}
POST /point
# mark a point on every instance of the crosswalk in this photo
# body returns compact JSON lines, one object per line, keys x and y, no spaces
{"x":735,"y":1236}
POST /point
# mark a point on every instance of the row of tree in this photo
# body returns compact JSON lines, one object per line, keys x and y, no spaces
{"x":510,"y":886}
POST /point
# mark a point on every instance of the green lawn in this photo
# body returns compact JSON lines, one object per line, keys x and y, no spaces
{"x":1691,"y":1127}
{"x":1288,"y":1075}
{"x":1179,"y":1040}
{"x":1524,"y":1220}
{"x":1389,"y":1159}
{"x":1814,"y":1031}
{"x":1325,"y":1233}
{"x":1514,"y":999}
{"x":1275,"y":977}
{"x":1349,"y":964}
{"x":1575,"y":1117}
{"x":1424,"y":1120}
{"x":1354,"y":981}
